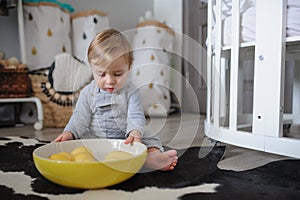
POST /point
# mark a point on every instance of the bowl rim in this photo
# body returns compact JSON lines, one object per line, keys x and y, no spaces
{"x":35,"y":155}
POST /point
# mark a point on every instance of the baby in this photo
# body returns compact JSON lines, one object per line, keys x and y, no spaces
{"x":110,"y":106}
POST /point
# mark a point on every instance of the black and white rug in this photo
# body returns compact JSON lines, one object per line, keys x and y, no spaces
{"x":193,"y":178}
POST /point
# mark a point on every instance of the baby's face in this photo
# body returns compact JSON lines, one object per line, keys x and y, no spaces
{"x":113,"y":77}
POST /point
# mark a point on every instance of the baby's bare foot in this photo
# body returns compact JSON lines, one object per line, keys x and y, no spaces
{"x":163,"y":161}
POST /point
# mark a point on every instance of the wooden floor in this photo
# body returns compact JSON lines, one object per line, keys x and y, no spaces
{"x":177,"y":131}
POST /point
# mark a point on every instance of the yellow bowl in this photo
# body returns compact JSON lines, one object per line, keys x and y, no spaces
{"x":94,"y":174}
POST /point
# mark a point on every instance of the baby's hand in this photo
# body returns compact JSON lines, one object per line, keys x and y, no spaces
{"x":66,"y":135}
{"x":134,"y":136}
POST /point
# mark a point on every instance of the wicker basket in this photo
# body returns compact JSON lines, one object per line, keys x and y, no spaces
{"x":14,"y":83}
{"x":58,"y":107}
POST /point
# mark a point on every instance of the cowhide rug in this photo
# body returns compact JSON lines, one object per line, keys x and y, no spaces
{"x":193,"y":178}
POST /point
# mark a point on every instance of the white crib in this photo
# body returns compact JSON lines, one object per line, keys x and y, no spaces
{"x":261,"y":129}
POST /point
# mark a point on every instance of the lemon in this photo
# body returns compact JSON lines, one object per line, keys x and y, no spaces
{"x":83,"y":157}
{"x":62,"y":156}
{"x":81,"y":149}
{"x":80,"y":154}
{"x":117,"y":155}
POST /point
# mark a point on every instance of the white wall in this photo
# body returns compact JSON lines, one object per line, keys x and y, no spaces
{"x":123,"y":15}
{"x":171,"y":11}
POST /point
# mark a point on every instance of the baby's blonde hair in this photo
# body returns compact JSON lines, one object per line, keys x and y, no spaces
{"x":107,"y":46}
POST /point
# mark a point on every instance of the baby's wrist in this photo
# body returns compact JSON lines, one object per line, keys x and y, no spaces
{"x":69,"y":135}
{"x":135,"y":134}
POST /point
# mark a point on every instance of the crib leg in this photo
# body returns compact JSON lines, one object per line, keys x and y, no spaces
{"x":269,"y":59}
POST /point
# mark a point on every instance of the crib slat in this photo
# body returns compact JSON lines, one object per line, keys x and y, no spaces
{"x":269,"y":68}
{"x":217,"y":64}
{"x":209,"y":60}
{"x":296,"y":94}
{"x":234,"y":66}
